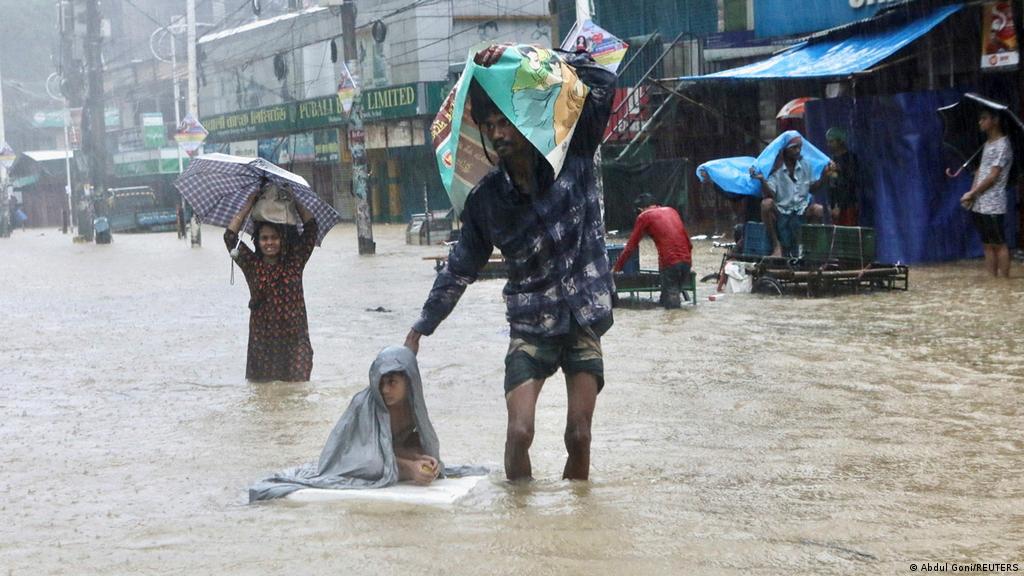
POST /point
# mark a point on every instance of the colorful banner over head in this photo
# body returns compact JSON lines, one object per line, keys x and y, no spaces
{"x":605,"y":48}
{"x":998,"y":36}
{"x":534,"y":88}
{"x":348,"y":89}
{"x":190,"y":135}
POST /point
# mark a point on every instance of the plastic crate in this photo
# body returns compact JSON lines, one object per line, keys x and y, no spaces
{"x":631,"y":267}
{"x":756,"y":241}
{"x":854,"y":244}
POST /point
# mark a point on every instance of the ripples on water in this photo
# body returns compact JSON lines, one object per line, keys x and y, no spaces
{"x":754,"y":434}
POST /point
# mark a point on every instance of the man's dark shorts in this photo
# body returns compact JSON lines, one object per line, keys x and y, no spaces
{"x":537,"y":358}
{"x":991,"y":227}
{"x":673,"y":279}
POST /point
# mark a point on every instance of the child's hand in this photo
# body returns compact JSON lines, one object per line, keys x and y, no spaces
{"x":424,"y":470}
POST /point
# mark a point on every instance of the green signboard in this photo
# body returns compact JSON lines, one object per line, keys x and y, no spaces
{"x":154,"y":135}
{"x":147,"y":162}
{"x":319,"y":112}
{"x":393,"y":102}
{"x":242,"y":125}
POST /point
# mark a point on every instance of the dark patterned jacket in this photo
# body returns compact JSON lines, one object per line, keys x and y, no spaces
{"x":553,"y":243}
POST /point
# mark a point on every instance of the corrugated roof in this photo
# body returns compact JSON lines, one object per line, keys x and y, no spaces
{"x":47,"y":155}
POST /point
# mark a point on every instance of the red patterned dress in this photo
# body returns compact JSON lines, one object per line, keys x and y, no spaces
{"x":279,"y":346}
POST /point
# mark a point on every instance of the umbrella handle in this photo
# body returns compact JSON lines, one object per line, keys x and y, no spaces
{"x":950,"y":174}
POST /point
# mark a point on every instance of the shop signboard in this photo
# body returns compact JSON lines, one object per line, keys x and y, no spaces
{"x":303,"y":147}
{"x":320,"y":112}
{"x":998,"y":36}
{"x":391,"y":102}
{"x":246,"y":148}
{"x":147,"y":162}
{"x":275,"y":150}
{"x":786,"y":17}
{"x":154,"y":135}
{"x":266,"y":120}
{"x":326,"y":147}
{"x":48,"y":119}
{"x":112,"y":118}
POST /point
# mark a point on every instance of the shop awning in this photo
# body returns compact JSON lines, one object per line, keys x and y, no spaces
{"x":826,"y":57}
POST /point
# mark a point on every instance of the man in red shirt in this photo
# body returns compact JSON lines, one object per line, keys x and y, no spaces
{"x":666,"y":228}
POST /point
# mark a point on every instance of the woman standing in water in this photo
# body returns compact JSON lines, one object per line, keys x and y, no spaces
{"x":986,"y":199}
{"x":279,"y":346}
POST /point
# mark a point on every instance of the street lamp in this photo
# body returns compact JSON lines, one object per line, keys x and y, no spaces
{"x":177,"y":27}
{"x":67,"y":142}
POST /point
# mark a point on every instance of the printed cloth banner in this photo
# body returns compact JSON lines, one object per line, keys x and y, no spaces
{"x":605,"y":48}
{"x":733,"y":174}
{"x":348,"y":89}
{"x":7,"y":155}
{"x":190,"y":135}
{"x":998,"y":36}
{"x":534,"y":88}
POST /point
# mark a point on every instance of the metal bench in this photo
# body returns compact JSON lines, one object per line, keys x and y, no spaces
{"x":648,"y":282}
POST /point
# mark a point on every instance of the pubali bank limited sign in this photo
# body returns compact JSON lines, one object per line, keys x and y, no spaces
{"x":787,"y":17}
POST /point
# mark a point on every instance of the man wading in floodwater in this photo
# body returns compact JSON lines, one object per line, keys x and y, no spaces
{"x":559,"y":291}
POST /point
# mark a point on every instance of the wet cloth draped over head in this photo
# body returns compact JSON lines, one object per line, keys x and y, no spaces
{"x":733,"y":174}
{"x":359,"y":452}
{"x":533,"y":87}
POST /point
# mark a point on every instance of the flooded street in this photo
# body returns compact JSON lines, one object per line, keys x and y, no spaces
{"x":753,"y":435}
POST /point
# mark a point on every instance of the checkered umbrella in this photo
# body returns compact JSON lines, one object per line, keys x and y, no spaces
{"x":218,"y":185}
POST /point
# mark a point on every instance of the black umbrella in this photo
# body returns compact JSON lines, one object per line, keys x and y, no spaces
{"x":963,"y":139}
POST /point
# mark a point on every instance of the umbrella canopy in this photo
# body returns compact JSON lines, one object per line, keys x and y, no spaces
{"x":964,"y":142}
{"x":218,"y":185}
{"x":794,"y":108}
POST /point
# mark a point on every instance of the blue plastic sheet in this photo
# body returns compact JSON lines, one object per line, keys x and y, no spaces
{"x":733,"y":174}
{"x":906,"y":196}
{"x":836,"y":57}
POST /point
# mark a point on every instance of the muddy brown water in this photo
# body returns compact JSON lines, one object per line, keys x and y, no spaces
{"x":756,"y":434}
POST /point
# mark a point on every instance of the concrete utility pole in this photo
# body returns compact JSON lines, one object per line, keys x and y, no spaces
{"x":93,"y":126}
{"x":356,"y":135}
{"x":195,"y":227}
{"x":5,"y":195}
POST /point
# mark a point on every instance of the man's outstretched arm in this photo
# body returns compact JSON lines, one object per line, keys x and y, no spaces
{"x":469,"y":255}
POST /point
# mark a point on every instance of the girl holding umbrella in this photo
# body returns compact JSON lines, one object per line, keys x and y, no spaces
{"x":986,"y":199}
{"x":279,"y":347}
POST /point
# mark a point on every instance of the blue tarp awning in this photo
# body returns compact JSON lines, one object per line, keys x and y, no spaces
{"x":836,"y":57}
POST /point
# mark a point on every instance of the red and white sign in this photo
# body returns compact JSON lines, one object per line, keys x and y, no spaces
{"x":998,"y":36}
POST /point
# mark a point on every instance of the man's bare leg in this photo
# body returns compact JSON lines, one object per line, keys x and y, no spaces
{"x":1002,"y":256}
{"x":582,"y":391}
{"x":990,"y":260}
{"x":815,"y":213}
{"x":521,"y":403}
{"x":768,"y":217}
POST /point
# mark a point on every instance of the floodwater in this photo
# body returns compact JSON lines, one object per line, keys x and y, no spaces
{"x":753,"y":435}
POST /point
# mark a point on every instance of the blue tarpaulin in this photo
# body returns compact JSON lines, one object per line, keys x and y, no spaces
{"x":905,"y":194}
{"x":733,"y":174}
{"x":836,"y":57}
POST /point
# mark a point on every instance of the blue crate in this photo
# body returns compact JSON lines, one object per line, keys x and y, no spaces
{"x":631,"y":267}
{"x":756,"y":241}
